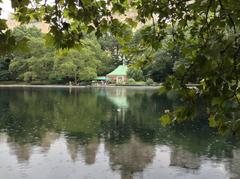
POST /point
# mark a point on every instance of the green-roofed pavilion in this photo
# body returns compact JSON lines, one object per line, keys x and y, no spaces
{"x":119,"y":75}
{"x":120,"y":70}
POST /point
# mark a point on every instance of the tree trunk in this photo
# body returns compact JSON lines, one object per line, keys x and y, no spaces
{"x":75,"y":78}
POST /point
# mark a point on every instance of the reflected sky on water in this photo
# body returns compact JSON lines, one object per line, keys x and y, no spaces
{"x":106,"y":133}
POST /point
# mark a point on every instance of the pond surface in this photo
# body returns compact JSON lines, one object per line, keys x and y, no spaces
{"x":106,"y":134}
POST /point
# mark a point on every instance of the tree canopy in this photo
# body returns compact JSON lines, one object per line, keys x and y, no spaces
{"x":41,"y":62}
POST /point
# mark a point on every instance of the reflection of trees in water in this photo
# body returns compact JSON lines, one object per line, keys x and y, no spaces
{"x":22,"y":151}
{"x":3,"y":138}
{"x":88,"y":150}
{"x":27,"y":116}
{"x":130,"y":157}
{"x":31,"y":113}
{"x":73,"y":149}
{"x":48,"y":139}
{"x":234,"y":165}
{"x":183,"y":158}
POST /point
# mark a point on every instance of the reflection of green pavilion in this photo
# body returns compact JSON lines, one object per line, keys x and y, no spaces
{"x":117,"y":96}
{"x":120,"y":102}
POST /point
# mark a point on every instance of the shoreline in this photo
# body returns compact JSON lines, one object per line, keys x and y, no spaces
{"x":77,"y":87}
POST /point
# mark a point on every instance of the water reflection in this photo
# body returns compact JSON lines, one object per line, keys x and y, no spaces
{"x":185,"y":159}
{"x":48,"y":138}
{"x":130,"y":157}
{"x":88,"y":151}
{"x":234,"y":165}
{"x":105,"y":133}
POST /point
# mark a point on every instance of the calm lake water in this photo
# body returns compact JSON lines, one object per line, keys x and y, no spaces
{"x":106,"y":134}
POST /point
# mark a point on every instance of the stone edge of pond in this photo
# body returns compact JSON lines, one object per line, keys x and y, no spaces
{"x":67,"y":86}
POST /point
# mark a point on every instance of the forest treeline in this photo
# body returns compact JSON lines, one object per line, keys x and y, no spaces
{"x":38,"y":61}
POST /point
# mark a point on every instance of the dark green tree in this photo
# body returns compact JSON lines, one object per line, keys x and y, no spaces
{"x":135,"y":73}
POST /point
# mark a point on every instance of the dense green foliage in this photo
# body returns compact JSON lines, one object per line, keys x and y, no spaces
{"x":41,"y":62}
{"x":204,"y":33}
{"x":157,"y":64}
{"x":135,"y":73}
{"x":111,"y":45}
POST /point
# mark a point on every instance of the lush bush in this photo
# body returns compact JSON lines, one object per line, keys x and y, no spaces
{"x":149,"y":82}
{"x":4,"y":75}
{"x":29,"y":76}
{"x":131,"y":81}
{"x":135,"y":73}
